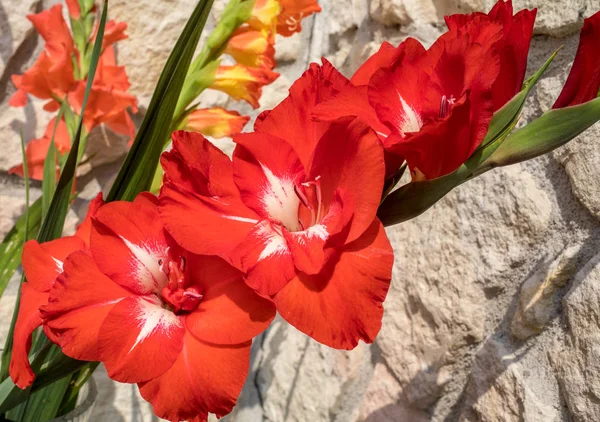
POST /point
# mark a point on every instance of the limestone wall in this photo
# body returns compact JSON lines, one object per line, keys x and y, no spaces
{"x":494,"y":310}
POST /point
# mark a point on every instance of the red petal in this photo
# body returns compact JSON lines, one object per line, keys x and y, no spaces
{"x":198,"y":165}
{"x":265,"y":170}
{"x":29,"y":319}
{"x":199,"y":200}
{"x":78,"y":304}
{"x":139,"y":339}
{"x":353,"y":101}
{"x":513,"y":50}
{"x":230,"y":312}
{"x":204,"y":379}
{"x":18,"y":99}
{"x":398,"y":98}
{"x":441,"y":147}
{"x":291,"y":119}
{"x":583,"y":82}
{"x":343,"y":304}
{"x":84,"y":229}
{"x":43,"y":263}
{"x":127,"y":243}
{"x":386,"y":56}
{"x":265,"y":258}
{"x":349,"y":157}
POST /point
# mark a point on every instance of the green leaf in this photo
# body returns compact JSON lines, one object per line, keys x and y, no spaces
{"x":137,"y":172}
{"x":12,"y":245}
{"x":552,"y":130}
{"x":49,"y":181}
{"x":413,"y":199}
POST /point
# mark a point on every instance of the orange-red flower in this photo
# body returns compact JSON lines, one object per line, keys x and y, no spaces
{"x":50,"y":78}
{"x":109,"y":100}
{"x":295,"y":210}
{"x":52,"y":27}
{"x":37,"y":149}
{"x":42,"y":263}
{"x":179,"y":325}
{"x":292,"y":13}
{"x":584,"y":78}
{"x":243,"y":83}
{"x":282,"y":16}
{"x":216,"y":122}
{"x":251,"y":48}
{"x":74,"y":8}
{"x":264,"y":17}
{"x":114,"y":32}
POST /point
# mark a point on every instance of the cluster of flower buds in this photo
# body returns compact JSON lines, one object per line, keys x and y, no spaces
{"x":59,"y":77}
{"x":252,"y":46}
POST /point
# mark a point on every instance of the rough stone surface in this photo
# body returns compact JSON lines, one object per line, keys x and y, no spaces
{"x":576,"y":357}
{"x":493,"y":312}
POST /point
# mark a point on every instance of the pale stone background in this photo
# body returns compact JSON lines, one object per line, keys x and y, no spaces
{"x":494,"y":309}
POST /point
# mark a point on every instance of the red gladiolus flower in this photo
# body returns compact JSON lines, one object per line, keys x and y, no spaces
{"x":295,"y":210}
{"x":216,"y":122}
{"x":431,"y":108}
{"x":243,"y":83}
{"x":583,"y":82}
{"x":36,"y":150}
{"x":513,"y":47}
{"x":42,"y":263}
{"x":178,"y":324}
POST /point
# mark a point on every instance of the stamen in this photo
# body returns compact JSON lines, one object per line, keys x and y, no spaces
{"x":319,"y":198}
{"x":193,"y":295}
{"x":444,"y":107}
{"x":301,"y":194}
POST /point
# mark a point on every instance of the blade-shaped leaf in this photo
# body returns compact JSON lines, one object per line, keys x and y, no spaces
{"x":413,"y":199}
{"x":49,"y":181}
{"x":137,"y":172}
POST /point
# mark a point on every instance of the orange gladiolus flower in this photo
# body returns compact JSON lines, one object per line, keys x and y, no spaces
{"x":292,"y":13}
{"x":284,"y":16}
{"x":243,"y":83}
{"x":52,"y":74}
{"x":216,"y":122}
{"x":74,"y":9}
{"x":264,"y":17}
{"x":37,"y":149}
{"x":52,"y":27}
{"x":114,"y":32}
{"x":109,"y":101}
{"x":251,"y":48}
{"x":47,"y":79}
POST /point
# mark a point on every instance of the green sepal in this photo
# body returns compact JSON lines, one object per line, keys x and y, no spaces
{"x":550,"y":131}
